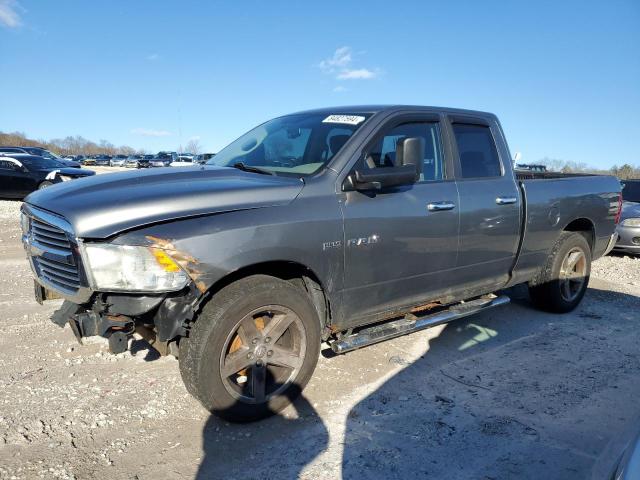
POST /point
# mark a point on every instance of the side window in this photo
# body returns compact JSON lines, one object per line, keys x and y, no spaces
{"x":384,"y":152}
{"x":477,"y":151}
{"x":7,"y":165}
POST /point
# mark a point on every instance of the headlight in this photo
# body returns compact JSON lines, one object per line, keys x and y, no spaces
{"x":128,"y":268}
{"x":65,"y":178}
{"x":631,"y":222}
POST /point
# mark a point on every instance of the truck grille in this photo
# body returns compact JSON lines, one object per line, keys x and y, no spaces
{"x":50,"y":236}
{"x":60,"y":274}
{"x":55,"y":261}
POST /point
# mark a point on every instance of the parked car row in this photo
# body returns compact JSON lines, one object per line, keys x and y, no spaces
{"x":161,"y":159}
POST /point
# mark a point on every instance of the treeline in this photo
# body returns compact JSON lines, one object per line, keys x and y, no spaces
{"x":623,"y":172}
{"x":69,"y":145}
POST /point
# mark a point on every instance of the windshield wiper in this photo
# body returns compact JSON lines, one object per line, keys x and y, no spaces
{"x":247,"y":168}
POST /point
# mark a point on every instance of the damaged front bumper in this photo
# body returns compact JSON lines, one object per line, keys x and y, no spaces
{"x":55,"y":256}
{"x":160,"y":319}
{"x":83,"y":323}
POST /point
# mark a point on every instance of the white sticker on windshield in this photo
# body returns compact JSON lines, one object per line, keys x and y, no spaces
{"x":344,"y":119}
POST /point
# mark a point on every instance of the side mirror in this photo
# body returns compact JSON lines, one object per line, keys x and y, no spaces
{"x":410,"y":151}
{"x":378,"y":178}
{"x":406,"y":171}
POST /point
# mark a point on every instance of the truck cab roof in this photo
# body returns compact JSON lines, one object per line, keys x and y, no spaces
{"x":373,"y":109}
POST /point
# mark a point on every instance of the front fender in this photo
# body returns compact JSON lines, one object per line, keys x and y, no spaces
{"x":211,"y":247}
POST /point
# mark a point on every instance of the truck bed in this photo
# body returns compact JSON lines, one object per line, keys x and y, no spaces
{"x":552,"y":201}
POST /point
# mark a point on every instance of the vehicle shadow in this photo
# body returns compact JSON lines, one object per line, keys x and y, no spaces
{"x":141,"y":346}
{"x":508,"y":393}
{"x":277,"y":447}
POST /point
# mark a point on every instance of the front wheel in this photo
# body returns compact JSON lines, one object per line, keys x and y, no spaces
{"x":563,"y":281}
{"x":252,"y":349}
{"x":45,"y":184}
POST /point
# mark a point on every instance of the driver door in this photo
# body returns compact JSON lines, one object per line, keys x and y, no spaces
{"x":400,"y":243}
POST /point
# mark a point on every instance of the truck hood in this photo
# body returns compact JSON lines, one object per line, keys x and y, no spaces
{"x":105,"y":205}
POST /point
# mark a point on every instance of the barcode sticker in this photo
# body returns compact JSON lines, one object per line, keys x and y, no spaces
{"x":344,"y":119}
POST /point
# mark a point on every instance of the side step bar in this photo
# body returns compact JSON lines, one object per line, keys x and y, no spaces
{"x":412,"y":323}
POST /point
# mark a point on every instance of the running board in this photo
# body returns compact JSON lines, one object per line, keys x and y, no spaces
{"x":412,"y":323}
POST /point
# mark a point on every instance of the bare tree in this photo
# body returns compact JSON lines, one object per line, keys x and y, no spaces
{"x":107,"y":148}
{"x":553,"y":164}
{"x":193,"y":146}
{"x":625,"y":172}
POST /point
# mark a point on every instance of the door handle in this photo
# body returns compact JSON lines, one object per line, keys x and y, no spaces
{"x":440,"y":206}
{"x":506,"y":200}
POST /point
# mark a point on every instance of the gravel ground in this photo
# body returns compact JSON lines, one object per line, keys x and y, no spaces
{"x":509,"y":393}
{"x":619,"y":268}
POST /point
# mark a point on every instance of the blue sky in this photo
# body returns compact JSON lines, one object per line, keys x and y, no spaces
{"x":563,"y":76}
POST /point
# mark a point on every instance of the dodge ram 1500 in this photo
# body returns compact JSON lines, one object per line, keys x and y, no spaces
{"x":348,"y":225}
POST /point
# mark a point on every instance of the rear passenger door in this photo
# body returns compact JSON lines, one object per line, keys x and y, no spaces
{"x":490,"y":205}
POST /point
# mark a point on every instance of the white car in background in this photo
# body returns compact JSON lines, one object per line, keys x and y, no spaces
{"x":183,"y":160}
{"x":203,"y":157}
{"x":118,"y":161}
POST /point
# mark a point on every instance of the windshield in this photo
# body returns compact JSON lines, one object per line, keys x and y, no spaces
{"x":631,"y":190}
{"x":292,"y":145}
{"x":41,"y":162}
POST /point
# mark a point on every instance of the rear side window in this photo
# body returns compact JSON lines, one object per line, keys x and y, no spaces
{"x":477,"y":151}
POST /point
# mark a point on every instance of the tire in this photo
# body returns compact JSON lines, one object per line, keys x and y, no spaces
{"x":45,"y":184}
{"x":221,"y":341}
{"x":560,"y":286}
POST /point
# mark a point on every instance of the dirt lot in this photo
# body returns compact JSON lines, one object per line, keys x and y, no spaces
{"x":510,"y":393}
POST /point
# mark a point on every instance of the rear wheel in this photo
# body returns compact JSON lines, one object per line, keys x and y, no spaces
{"x":563,"y":281}
{"x":252,"y":350}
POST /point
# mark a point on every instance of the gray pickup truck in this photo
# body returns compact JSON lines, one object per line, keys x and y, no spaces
{"x":344,"y":225}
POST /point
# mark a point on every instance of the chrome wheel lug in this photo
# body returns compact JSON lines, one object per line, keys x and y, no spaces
{"x":250,"y":355}
{"x":254,"y":341}
{"x":267,"y":340}
{"x":269,"y":353}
